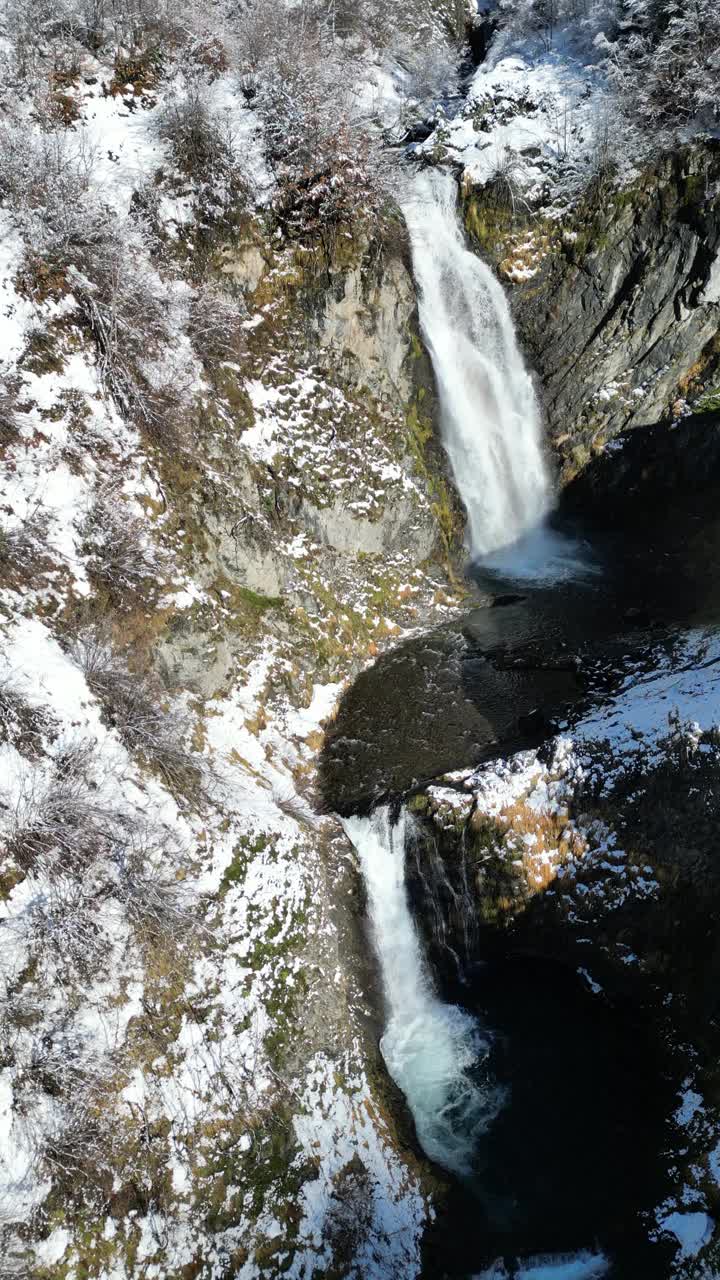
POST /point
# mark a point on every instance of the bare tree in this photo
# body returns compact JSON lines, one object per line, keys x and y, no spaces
{"x":666,"y":68}
{"x":47,"y":180}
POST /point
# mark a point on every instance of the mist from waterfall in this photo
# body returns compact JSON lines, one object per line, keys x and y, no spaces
{"x":490,"y":419}
{"x":434,"y":1052}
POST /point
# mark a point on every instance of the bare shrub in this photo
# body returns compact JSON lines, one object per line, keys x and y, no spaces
{"x":79,"y":246}
{"x":199,"y":145}
{"x":137,"y":706}
{"x":47,"y":29}
{"x":605,"y":159}
{"x":76,"y":1148}
{"x":64,"y":926}
{"x":503,"y":188}
{"x":349,"y":1211}
{"x":295,"y":806}
{"x":301,"y":81}
{"x":158,"y":26}
{"x":10,"y":390}
{"x":60,"y":818}
{"x":150,"y":864}
{"x":130,"y":312}
{"x":664,"y":67}
{"x":58,"y":1060}
{"x":205,"y":151}
{"x":105,"y":1152}
{"x":46,"y":179}
{"x":337,"y":187}
{"x":86,"y":859}
{"x":23,"y":549}
{"x":22,"y":725}
{"x":205,"y":55}
{"x":430,"y":73}
{"x":36,"y":29}
{"x":120,"y":554}
{"x":215,"y":323}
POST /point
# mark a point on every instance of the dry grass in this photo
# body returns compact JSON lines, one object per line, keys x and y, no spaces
{"x":538,"y":844}
{"x":525,"y":254}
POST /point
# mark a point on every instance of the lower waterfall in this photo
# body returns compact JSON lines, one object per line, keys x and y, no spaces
{"x":434,"y":1051}
{"x":489,"y":413}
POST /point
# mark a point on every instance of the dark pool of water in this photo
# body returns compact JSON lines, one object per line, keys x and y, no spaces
{"x":575,"y":1159}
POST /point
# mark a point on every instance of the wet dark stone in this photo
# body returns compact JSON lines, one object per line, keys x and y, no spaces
{"x":455,"y":697}
{"x":576,"y":1156}
{"x":648,"y":470}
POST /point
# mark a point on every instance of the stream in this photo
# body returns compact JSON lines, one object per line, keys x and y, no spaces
{"x":521,"y":1086}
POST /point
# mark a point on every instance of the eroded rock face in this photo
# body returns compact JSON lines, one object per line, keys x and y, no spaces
{"x":402,"y":524}
{"x":341,"y":448}
{"x":368,"y":321}
{"x":620,"y":321}
{"x":616,"y":328}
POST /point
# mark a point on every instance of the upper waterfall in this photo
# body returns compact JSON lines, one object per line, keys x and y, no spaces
{"x":489,"y":413}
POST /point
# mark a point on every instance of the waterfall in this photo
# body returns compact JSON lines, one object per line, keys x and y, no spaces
{"x":434,"y":1052}
{"x":489,"y":414}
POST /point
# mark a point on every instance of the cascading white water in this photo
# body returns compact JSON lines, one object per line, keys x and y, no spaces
{"x":490,"y":417}
{"x":586,"y":1265}
{"x":430,"y":1048}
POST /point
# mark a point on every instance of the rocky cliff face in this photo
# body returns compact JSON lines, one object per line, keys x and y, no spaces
{"x":330,"y":490}
{"x":617,"y":303}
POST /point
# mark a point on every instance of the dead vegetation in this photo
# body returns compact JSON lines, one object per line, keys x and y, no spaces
{"x":60,"y":819}
{"x":10,"y":402}
{"x":149,"y":723}
{"x":24,"y":552}
{"x":120,"y":555}
{"x":26,"y":727}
